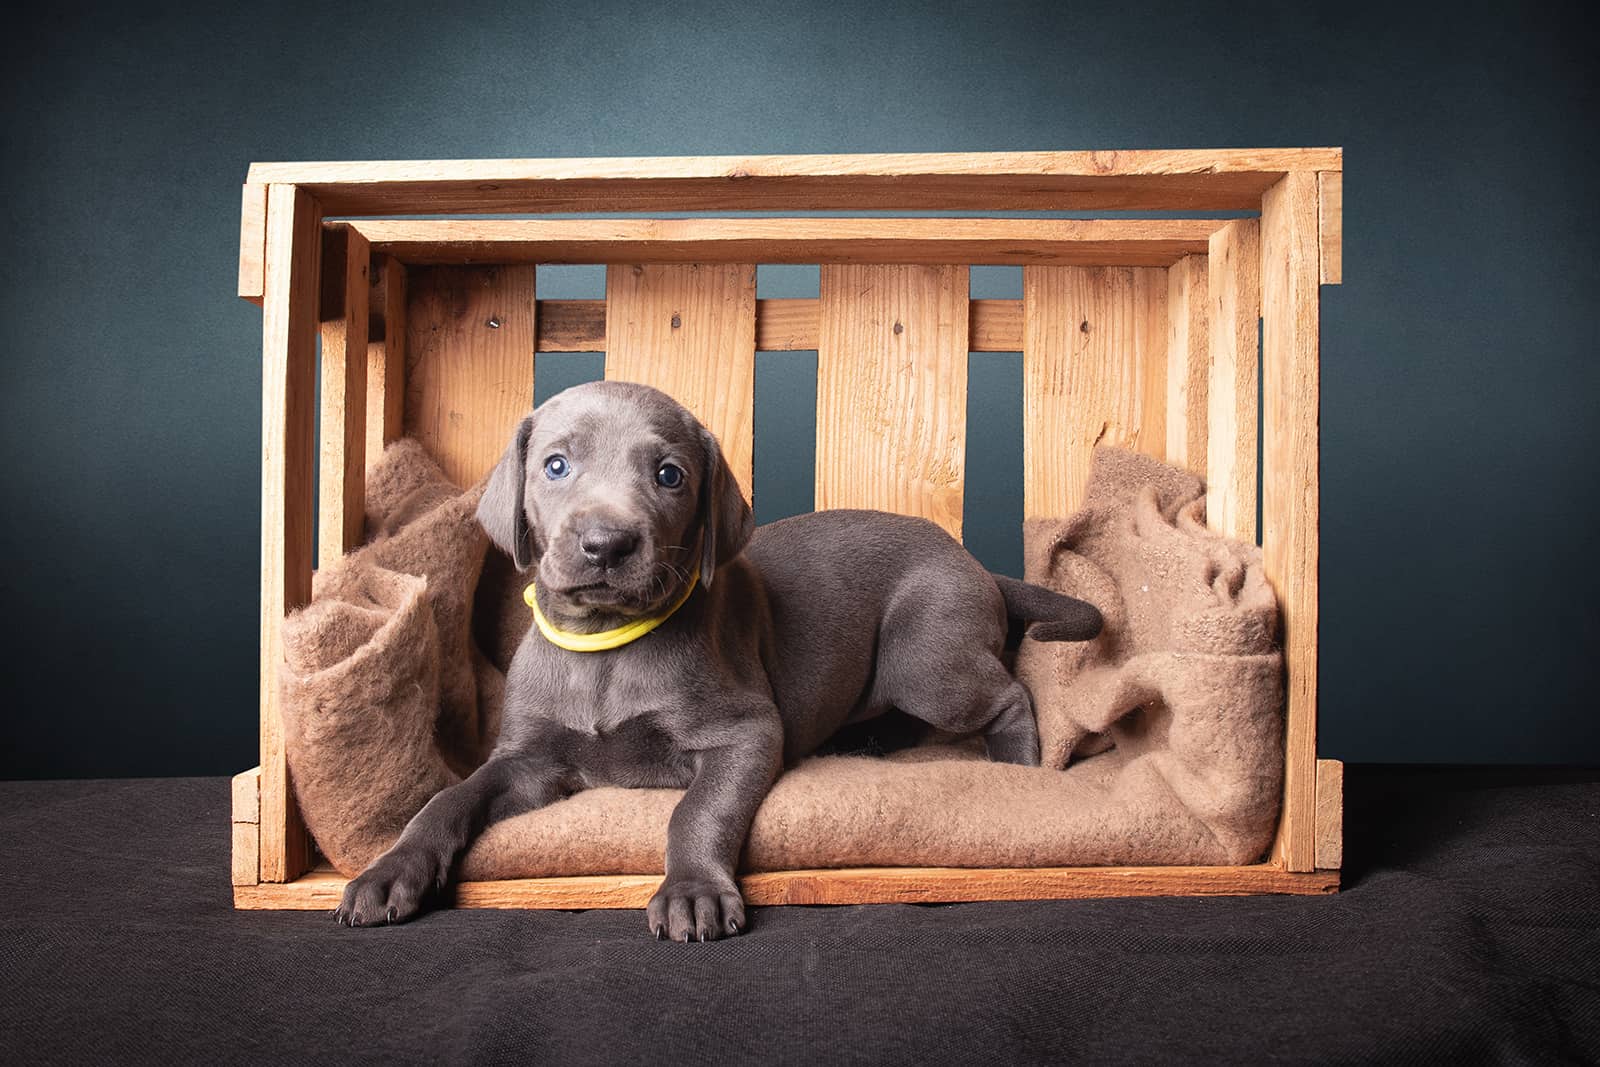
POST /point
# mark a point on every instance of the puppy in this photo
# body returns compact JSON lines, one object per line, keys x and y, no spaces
{"x":678,"y":647}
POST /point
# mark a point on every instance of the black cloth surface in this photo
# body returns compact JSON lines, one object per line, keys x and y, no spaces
{"x":1467,"y":931}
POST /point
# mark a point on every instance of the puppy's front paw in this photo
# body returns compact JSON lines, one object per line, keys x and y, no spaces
{"x":392,"y":890}
{"x":696,"y":909}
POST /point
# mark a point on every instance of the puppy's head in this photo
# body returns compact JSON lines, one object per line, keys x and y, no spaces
{"x":612,"y":493}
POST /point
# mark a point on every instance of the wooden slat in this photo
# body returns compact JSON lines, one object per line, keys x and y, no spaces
{"x":865,"y":885}
{"x":386,"y":354}
{"x":1330,"y":188}
{"x":787,"y":325}
{"x":1330,"y":815}
{"x":1203,"y":179}
{"x":246,"y":829}
{"x":689,"y":329}
{"x":1234,"y":302}
{"x":1188,"y":364}
{"x":1094,"y":372}
{"x":288,"y":397}
{"x":892,"y":390}
{"x":995,"y":326}
{"x":253,"y":242}
{"x":246,"y":796}
{"x":342,"y":485}
{"x":469,"y":362}
{"x":784,"y":325}
{"x":1115,"y":242}
{"x":245,"y":853}
{"x":571,"y":326}
{"x":1290,"y":479}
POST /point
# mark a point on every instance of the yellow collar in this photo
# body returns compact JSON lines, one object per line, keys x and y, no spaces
{"x":605,"y":639}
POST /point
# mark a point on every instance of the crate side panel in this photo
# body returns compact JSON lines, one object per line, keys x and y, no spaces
{"x":929,"y":241}
{"x":469,"y":362}
{"x":1188,"y":364}
{"x":386,"y":354}
{"x":1234,"y":310}
{"x":892,"y":390}
{"x":1330,"y":814}
{"x":342,"y":485}
{"x":866,"y":885}
{"x":1330,"y":185}
{"x":288,"y":398}
{"x":253,"y":242}
{"x":1290,"y":401}
{"x":782,"y":325}
{"x":1205,"y":179}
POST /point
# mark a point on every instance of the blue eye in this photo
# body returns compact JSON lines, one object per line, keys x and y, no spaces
{"x":557,"y":467}
{"x":670,"y":476}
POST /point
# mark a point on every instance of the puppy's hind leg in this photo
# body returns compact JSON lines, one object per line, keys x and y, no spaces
{"x":1012,"y":736}
{"x":967,"y":694}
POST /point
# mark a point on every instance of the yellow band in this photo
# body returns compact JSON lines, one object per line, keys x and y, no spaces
{"x":605,"y":639}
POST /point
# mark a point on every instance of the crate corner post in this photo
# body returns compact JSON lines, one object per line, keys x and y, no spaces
{"x":290,"y":318}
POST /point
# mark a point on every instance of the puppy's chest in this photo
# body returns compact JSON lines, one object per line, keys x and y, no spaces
{"x":615,"y":726}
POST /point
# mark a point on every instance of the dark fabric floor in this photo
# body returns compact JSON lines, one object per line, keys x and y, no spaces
{"x":1469,"y":930}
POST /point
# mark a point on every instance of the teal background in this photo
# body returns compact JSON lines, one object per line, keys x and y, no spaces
{"x":1460,"y":372}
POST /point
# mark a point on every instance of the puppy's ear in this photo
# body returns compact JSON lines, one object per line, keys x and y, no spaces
{"x":725,"y":519}
{"x":502,"y":510}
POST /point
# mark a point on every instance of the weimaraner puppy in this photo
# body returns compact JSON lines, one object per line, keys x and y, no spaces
{"x":760,"y":644}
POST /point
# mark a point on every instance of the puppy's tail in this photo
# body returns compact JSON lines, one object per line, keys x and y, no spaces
{"x":1057,"y":617}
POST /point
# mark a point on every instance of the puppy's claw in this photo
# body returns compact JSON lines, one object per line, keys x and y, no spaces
{"x":661,"y":933}
{"x":393,"y":912}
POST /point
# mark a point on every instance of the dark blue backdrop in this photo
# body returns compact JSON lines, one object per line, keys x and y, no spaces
{"x":1460,"y":371}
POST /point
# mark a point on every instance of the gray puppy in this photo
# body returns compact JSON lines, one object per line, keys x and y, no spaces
{"x":762,"y":647}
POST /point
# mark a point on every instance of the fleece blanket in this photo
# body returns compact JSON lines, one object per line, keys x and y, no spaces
{"x":1162,"y":738}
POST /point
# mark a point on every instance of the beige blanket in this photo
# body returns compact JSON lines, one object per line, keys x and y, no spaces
{"x":1162,"y":738}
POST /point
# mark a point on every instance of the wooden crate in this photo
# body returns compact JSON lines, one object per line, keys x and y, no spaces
{"x":430,"y":327}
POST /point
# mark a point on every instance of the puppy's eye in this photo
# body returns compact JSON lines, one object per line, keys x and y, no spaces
{"x":557,"y":467}
{"x":670,"y":476}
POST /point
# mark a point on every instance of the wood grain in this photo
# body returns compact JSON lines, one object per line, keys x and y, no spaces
{"x":342,"y":484}
{"x":1094,"y":372}
{"x":1201,"y":179}
{"x":386,"y":354}
{"x":689,"y":329}
{"x":1290,"y":469}
{"x":321,"y":890}
{"x":288,"y":398}
{"x":1188,"y":364}
{"x":469,"y":362}
{"x":785,"y":325}
{"x":244,"y":853}
{"x":246,"y":796}
{"x":571,"y":326}
{"x":995,"y":326}
{"x":253,"y":242}
{"x":246,"y":829}
{"x":1330,"y":815}
{"x":1330,"y":190}
{"x":1117,"y":242}
{"x":892,"y":390}
{"x":1234,"y":303}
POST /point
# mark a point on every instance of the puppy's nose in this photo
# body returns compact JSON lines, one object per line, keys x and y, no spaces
{"x":606,"y":546}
